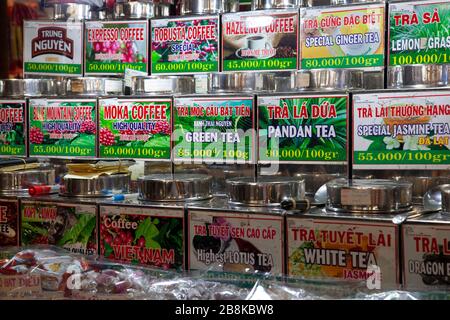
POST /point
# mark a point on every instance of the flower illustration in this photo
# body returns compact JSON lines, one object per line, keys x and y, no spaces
{"x":412,"y":143}
{"x":391,"y":143}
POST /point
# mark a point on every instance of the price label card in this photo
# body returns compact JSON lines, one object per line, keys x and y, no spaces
{"x":401,"y":130}
{"x":419,"y":32}
{"x":347,"y":37}
{"x":63,"y":128}
{"x":303,"y":128}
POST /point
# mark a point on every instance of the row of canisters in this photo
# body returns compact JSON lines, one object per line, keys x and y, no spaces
{"x":338,"y":47}
{"x":388,"y":129}
{"x":264,"y":227}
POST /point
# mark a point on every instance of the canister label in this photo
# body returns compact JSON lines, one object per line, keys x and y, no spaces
{"x":137,"y":128}
{"x":426,"y":255}
{"x":62,"y":127}
{"x":9,"y":222}
{"x":185,"y":45}
{"x":401,"y":130}
{"x":348,"y":250}
{"x":214,"y":129}
{"x":234,"y":242}
{"x":349,"y":37}
{"x":260,"y":40}
{"x":71,"y":226}
{"x":53,"y":48}
{"x":147,"y":236}
{"x":12,"y":128}
{"x":303,"y":128}
{"x":113,"y":46}
{"x":418,"y":32}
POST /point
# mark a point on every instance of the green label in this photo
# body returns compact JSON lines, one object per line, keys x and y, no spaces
{"x":149,"y":236}
{"x":350,"y":37}
{"x":53,"y":68}
{"x":12,"y":128}
{"x":419,"y":33}
{"x":70,"y":226}
{"x":62,"y":128}
{"x":303,"y":128}
{"x":185,"y":45}
{"x":260,"y":40}
{"x":398,"y":130}
{"x":214,"y":129}
{"x":113,"y":46}
{"x":135,"y":128}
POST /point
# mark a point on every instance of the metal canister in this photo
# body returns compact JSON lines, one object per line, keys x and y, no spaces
{"x":134,"y":10}
{"x":75,"y":11}
{"x":369,"y":196}
{"x":160,"y":85}
{"x":13,"y":88}
{"x":208,"y":6}
{"x":232,"y":82}
{"x":275,"y":4}
{"x":422,"y":184}
{"x":91,"y":86}
{"x":18,"y":182}
{"x":102,"y":186}
{"x":265,"y":190}
{"x":418,"y":76}
{"x":337,"y":79}
{"x":174,"y":187}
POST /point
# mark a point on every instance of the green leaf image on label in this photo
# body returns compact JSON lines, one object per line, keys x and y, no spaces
{"x":302,"y":128}
{"x":419,"y":33}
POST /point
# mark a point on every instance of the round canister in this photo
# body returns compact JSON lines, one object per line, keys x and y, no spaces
{"x":445,"y":196}
{"x":265,"y":191}
{"x":418,"y":76}
{"x":156,"y":85}
{"x":368,"y":196}
{"x":275,"y":4}
{"x":31,"y":87}
{"x":422,"y":184}
{"x":17,"y":182}
{"x":195,"y":7}
{"x":233,"y":82}
{"x":93,"y":86}
{"x":337,"y":79}
{"x":176,"y":187}
{"x":102,"y":186}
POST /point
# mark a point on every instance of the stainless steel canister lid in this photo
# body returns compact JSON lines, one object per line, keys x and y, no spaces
{"x":74,"y":11}
{"x":275,"y":4}
{"x":421,"y":185}
{"x":232,"y":82}
{"x":337,"y":79}
{"x":208,"y":6}
{"x":265,"y":191}
{"x":418,"y":76}
{"x":91,"y":86}
{"x":16,"y":182}
{"x":103,"y":186}
{"x":155,"y":85}
{"x":369,"y":196}
{"x":31,"y":87}
{"x":176,"y":187}
{"x":134,"y":10}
